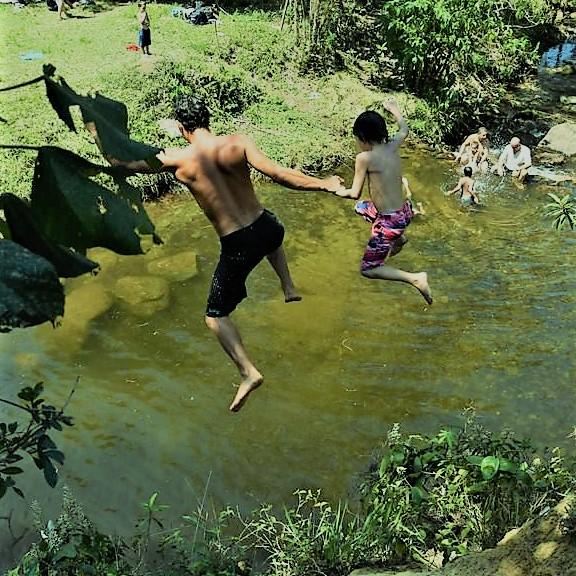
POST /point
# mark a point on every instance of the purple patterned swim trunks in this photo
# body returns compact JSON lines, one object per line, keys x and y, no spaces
{"x":387,"y":228}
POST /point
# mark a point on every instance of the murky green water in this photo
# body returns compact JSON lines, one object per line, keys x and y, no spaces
{"x":352,"y":358}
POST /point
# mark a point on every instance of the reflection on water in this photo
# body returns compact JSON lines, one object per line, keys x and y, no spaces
{"x":352,"y":358}
{"x":557,"y":55}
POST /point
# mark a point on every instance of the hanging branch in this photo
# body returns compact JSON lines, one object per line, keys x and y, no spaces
{"x":20,"y":147}
{"x":22,"y":84}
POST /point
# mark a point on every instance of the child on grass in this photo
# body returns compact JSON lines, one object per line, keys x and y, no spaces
{"x":144,"y":36}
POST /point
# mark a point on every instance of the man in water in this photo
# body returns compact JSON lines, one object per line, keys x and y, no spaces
{"x":216,"y":170}
{"x":388,"y":211}
{"x":474,"y":150}
{"x":515,"y":158}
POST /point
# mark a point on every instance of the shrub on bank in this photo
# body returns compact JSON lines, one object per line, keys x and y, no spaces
{"x":424,"y":498}
{"x":461,"y":490}
{"x":459,"y":57}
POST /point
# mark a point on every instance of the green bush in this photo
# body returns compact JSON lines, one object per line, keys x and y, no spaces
{"x":226,"y":90}
{"x":71,"y":546}
{"x":424,"y":497}
{"x":460,"y":490}
{"x":562,"y":211}
{"x":459,"y":56}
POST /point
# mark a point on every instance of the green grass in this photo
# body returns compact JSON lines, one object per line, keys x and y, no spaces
{"x":300,"y":121}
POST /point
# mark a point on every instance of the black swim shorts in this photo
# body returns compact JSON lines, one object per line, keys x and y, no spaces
{"x":240,"y":253}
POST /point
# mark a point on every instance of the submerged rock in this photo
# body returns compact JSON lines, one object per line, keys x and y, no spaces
{"x":106,"y":258}
{"x":547,"y":175}
{"x":565,"y":70}
{"x":177,"y":267}
{"x":83,"y":305}
{"x":144,"y":295}
{"x":542,"y":156}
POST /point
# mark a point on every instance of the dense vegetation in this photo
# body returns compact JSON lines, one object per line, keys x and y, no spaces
{"x":425,"y":499}
{"x":452,"y":60}
{"x":452,"y":493}
{"x":459,"y":57}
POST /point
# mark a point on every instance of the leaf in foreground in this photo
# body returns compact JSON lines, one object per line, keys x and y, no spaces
{"x":25,"y":231}
{"x":109,"y":116}
{"x":30,"y":292}
{"x":62,"y":191}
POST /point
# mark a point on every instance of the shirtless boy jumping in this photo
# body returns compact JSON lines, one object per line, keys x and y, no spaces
{"x":216,"y":170}
{"x":387,"y":211}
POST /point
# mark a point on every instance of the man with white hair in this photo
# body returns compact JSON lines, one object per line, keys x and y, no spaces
{"x":515,"y":158}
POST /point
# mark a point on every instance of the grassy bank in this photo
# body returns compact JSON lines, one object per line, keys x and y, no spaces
{"x":244,"y":67}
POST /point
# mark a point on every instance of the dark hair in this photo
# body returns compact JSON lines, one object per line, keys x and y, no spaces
{"x":370,"y":127}
{"x":191,"y":112}
{"x":468,"y":171}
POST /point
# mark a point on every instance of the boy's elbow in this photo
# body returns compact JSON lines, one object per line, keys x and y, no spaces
{"x":114,"y":162}
{"x":279,"y":175}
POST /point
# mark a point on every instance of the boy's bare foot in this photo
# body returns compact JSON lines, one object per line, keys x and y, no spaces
{"x":248,"y":385}
{"x":421,"y":284}
{"x":290,"y":295}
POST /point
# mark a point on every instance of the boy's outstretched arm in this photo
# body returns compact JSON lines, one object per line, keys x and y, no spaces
{"x":160,"y":163}
{"x":288,"y":177}
{"x":455,"y":189}
{"x":400,"y":136}
{"x":360,"y":170}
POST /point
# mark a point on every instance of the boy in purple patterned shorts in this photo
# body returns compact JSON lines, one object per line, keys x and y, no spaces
{"x":387,"y":211}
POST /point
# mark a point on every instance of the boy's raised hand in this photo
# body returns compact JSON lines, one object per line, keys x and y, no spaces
{"x":391,"y":105}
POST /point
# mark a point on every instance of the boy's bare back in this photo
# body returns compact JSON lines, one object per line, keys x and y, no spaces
{"x":215,"y":169}
{"x":385,"y":177}
{"x":379,"y":162}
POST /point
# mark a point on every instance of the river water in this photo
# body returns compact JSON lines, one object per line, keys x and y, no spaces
{"x":341,"y":366}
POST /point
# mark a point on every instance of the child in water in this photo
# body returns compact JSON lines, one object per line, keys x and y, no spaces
{"x":465,"y":186}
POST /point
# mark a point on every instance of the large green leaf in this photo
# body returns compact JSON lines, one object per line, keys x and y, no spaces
{"x":62,"y":97}
{"x":109,"y":116}
{"x":75,"y":211}
{"x":489,"y":467}
{"x":25,"y":230}
{"x":30,"y":292}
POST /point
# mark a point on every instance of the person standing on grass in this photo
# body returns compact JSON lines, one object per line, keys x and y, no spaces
{"x":387,"y":210}
{"x":144,"y":35}
{"x":216,"y":170}
{"x":62,"y":5}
